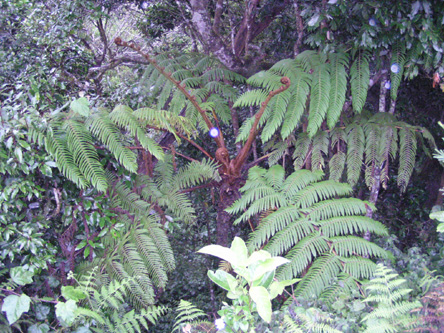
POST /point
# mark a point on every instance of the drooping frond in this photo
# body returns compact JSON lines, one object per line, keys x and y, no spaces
{"x":301,"y":150}
{"x":407,"y":154}
{"x":319,"y":98}
{"x":355,"y":152}
{"x":360,"y":79}
{"x":80,"y":143}
{"x":107,"y":132}
{"x":319,"y":150}
{"x":338,"y":87}
{"x":396,"y":68}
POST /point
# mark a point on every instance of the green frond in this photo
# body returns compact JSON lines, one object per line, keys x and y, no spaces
{"x":187,"y":313}
{"x":107,"y":132}
{"x":319,"y":98}
{"x":124,"y":117}
{"x":266,"y":80}
{"x":57,"y":146}
{"x":299,"y":180}
{"x":345,"y":225}
{"x":179,"y":204}
{"x":358,"y":267}
{"x":271,"y":201}
{"x":275,"y":176}
{"x":301,"y":150}
{"x":228,"y":92}
{"x":407,"y":154}
{"x":337,"y":165}
{"x":251,"y":98}
{"x":319,"y":150}
{"x":279,"y":105}
{"x":330,"y":208}
{"x":195,"y":173}
{"x":373,"y":138}
{"x":279,"y":150}
{"x":129,"y":200}
{"x":80,"y":143}
{"x":320,"y":191}
{"x":274,"y":222}
{"x":319,"y":275}
{"x":398,"y":60}
{"x":351,"y":245}
{"x":308,"y":322}
{"x":165,"y":94}
{"x":338,"y":75}
{"x":308,"y":59}
{"x":296,"y":104}
{"x":360,"y":79}
{"x":355,"y":152}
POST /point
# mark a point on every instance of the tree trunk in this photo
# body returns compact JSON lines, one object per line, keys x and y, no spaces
{"x":228,"y":194}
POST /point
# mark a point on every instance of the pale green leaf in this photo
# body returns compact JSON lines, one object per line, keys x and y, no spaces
{"x":261,"y":297}
{"x":15,"y":306}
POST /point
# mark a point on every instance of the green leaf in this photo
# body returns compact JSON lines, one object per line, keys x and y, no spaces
{"x":15,"y":306}
{"x":39,"y":328}
{"x":440,"y":227}
{"x":438,"y":216}
{"x":66,"y":311}
{"x":277,"y":287}
{"x":21,"y":276}
{"x":261,"y":297}
{"x":19,"y":154}
{"x":223,"y":279}
{"x":269,"y":265}
{"x":238,"y":246}
{"x":69,"y":292}
{"x":265,"y":280}
{"x":81,"y":106}
{"x":221,"y":252}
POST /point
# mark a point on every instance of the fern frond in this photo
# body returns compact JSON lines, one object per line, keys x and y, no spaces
{"x":351,"y":245}
{"x":345,"y":225}
{"x":355,"y":152}
{"x":329,"y":208}
{"x":338,"y":63}
{"x":301,"y":150}
{"x":251,"y":98}
{"x":79,"y":142}
{"x":319,"y":150}
{"x":107,"y":132}
{"x":319,"y":275}
{"x":279,"y":105}
{"x":187,"y":314}
{"x":360,"y":79}
{"x":397,"y":70}
{"x":320,"y":191}
{"x":319,"y":98}
{"x":407,"y":154}
{"x":266,"y":80}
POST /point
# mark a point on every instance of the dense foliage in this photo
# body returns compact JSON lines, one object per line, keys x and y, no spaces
{"x":136,"y":136}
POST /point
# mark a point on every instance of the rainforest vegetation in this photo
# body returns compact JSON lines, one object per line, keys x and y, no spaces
{"x":221,"y":166}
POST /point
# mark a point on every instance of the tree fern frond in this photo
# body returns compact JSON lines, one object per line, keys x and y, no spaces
{"x":397,"y":68}
{"x":351,"y":245}
{"x":319,"y":98}
{"x":320,"y":191}
{"x":355,"y":152}
{"x":407,"y":154}
{"x":251,"y":98}
{"x":299,"y":180}
{"x":107,"y":132}
{"x":338,"y":63}
{"x":56,"y":145}
{"x":329,"y":208}
{"x":266,"y":80}
{"x":358,"y":267}
{"x":280,"y":104}
{"x":319,"y":150}
{"x":337,"y":165}
{"x":360,"y":79}
{"x":319,"y":275}
{"x":129,"y":200}
{"x":195,"y":173}
{"x":80,"y":143}
{"x":345,"y":225}
{"x":301,"y":150}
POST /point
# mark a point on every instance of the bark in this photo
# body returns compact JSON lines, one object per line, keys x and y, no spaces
{"x":228,"y":194}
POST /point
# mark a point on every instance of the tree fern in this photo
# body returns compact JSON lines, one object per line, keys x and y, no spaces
{"x":313,"y":223}
{"x":309,"y":320}
{"x":319,"y":98}
{"x":338,"y":89}
{"x":397,"y":68}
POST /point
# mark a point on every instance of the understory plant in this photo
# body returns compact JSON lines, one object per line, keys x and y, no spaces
{"x":252,"y":289}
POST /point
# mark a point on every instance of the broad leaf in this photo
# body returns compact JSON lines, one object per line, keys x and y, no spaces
{"x":81,"y":106}
{"x":223,"y":279}
{"x":268,"y":265}
{"x":67,"y":311}
{"x":15,"y":306}
{"x":69,"y":292}
{"x":263,"y":304}
{"x":238,"y":246}
{"x":221,"y":252}
{"x":21,"y":276}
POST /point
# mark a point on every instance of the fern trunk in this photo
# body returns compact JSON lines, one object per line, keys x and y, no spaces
{"x":228,"y":194}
